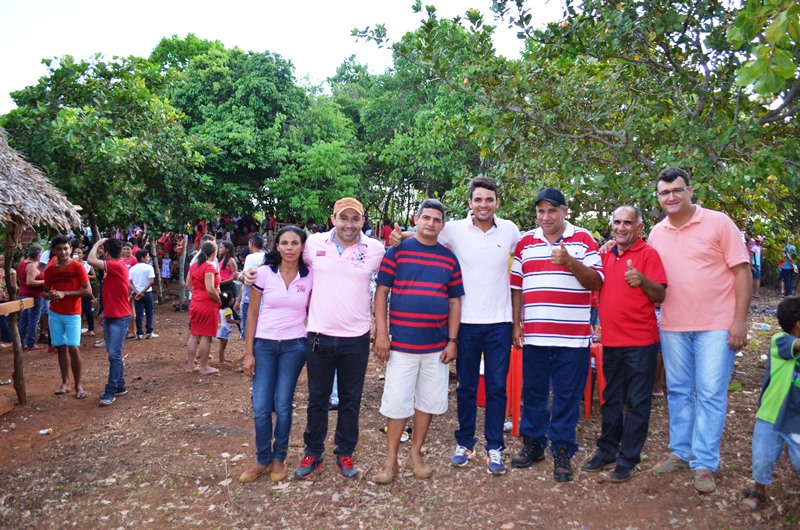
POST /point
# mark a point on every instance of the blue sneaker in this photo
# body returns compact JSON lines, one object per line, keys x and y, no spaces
{"x":494,"y":462}
{"x":308,"y":466}
{"x":107,"y":399}
{"x":462,"y":456}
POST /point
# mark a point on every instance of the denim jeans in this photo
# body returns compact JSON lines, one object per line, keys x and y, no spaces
{"x":278,"y":365}
{"x":88,"y":311}
{"x":494,"y":342}
{"x":29,"y":323}
{"x":698,"y":365}
{"x":244,"y":306}
{"x":567,"y":370}
{"x":629,"y":375}
{"x":5,"y":330}
{"x":767,"y":447}
{"x":115,"y":330}
{"x":787,"y":275}
{"x":348,"y":357}
{"x":144,"y":307}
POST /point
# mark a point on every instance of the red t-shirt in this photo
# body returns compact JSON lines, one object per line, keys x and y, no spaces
{"x":386,"y":232}
{"x":198,"y":276}
{"x":627,"y":316}
{"x":115,"y":290}
{"x":24,"y":288}
{"x":130,"y":262}
{"x":70,"y":278}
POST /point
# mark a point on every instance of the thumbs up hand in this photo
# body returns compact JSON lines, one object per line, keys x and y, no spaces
{"x":396,"y":236}
{"x":632,"y":276}
{"x":560,"y":256}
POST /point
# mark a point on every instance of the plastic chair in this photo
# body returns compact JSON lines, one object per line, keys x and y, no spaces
{"x":596,"y":353}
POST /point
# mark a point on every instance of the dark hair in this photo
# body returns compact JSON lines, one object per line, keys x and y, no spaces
{"x":483,"y":182}
{"x":207,"y":251}
{"x":273,"y":257}
{"x":127,"y":244}
{"x":34,"y":251}
{"x":257,"y":241}
{"x":229,"y":253}
{"x":670,"y":174}
{"x":58,"y":240}
{"x":141,"y":254}
{"x":113,"y":247}
{"x":226,"y":298}
{"x":789,"y":313}
{"x":431,"y":203}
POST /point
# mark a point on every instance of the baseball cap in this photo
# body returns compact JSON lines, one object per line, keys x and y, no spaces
{"x":553,"y":196}
{"x":347,"y":202}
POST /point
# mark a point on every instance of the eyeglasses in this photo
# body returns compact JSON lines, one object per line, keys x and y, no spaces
{"x":673,"y":191}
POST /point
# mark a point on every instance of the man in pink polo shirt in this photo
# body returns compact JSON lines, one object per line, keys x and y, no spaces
{"x":703,"y":320}
{"x":343,"y":261}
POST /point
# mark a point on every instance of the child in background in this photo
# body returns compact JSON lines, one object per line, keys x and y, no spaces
{"x":226,"y":324}
{"x":778,"y":415}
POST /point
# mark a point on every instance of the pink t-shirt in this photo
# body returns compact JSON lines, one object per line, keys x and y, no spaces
{"x":698,"y":258}
{"x":341,"y":303}
{"x":283,"y":310}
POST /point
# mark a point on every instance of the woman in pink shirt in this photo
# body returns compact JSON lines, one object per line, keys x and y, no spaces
{"x":275,"y":348}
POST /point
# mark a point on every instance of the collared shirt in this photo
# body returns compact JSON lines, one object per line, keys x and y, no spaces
{"x":340,"y":306}
{"x":283,"y":309}
{"x":698,"y":258}
{"x":484,"y":259}
{"x":627,"y":315}
{"x":254,"y":260}
{"x":556,"y":307}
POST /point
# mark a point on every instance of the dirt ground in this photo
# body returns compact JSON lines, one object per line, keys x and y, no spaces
{"x":167,"y":455}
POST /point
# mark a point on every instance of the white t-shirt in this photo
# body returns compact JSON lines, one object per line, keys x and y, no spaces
{"x":252,"y":261}
{"x":140,"y":275}
{"x":484,"y":260}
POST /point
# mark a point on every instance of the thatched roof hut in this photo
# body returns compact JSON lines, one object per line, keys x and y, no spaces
{"x":27,"y":199}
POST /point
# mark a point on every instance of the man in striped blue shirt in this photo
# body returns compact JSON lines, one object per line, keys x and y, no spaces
{"x":425,"y":280}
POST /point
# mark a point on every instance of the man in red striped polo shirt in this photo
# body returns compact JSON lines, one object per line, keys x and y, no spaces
{"x":425,"y":280}
{"x":555,"y":268}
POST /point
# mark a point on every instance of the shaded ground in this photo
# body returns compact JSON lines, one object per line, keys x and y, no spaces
{"x":167,"y":456}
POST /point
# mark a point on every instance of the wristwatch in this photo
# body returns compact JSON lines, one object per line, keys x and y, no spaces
{"x":453,"y":340}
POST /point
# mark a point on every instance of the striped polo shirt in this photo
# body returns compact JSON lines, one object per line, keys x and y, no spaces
{"x":556,"y":306}
{"x":423,"y":279}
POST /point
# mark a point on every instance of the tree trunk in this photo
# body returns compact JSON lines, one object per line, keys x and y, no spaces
{"x":12,"y":237}
{"x":182,"y":272}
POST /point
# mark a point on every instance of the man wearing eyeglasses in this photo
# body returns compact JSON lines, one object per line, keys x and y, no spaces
{"x":703,"y":321}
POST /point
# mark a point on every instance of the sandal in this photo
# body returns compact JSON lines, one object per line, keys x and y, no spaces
{"x":82,"y":394}
{"x":752,"y":500}
{"x":60,"y":391}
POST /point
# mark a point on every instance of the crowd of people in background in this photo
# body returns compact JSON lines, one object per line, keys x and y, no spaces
{"x":462,"y":291}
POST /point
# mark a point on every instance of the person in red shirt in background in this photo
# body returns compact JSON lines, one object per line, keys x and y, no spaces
{"x":129,"y":259}
{"x":386,"y":231}
{"x":634,"y":282}
{"x":117,"y":311}
{"x":31,"y":280}
{"x":65,"y":284}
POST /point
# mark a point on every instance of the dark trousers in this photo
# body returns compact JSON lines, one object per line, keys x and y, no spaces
{"x":494,"y":342}
{"x":326,"y":355}
{"x":629,"y":375}
{"x":5,"y":329}
{"x":143,"y":307}
{"x":787,"y":275}
{"x":88,"y":311}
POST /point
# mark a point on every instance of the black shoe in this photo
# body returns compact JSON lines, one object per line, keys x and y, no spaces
{"x":562,"y":469}
{"x":308,"y":466}
{"x":532,"y":451}
{"x":598,"y":462}
{"x":622,"y":473}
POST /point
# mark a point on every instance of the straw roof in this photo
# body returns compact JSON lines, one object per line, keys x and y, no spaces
{"x":28,"y":198}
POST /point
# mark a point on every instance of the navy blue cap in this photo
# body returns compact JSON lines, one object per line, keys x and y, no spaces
{"x":553,"y":196}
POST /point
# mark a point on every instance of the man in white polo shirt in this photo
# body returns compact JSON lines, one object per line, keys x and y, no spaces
{"x":343,"y":261}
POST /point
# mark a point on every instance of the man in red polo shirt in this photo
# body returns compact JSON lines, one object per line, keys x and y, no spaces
{"x":634,"y":282}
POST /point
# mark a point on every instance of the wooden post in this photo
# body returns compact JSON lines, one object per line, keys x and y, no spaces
{"x":12,"y":237}
{"x":182,"y":272}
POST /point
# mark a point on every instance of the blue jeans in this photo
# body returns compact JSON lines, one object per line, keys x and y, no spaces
{"x":348,"y":358}
{"x":494,"y":342}
{"x":787,"y":275}
{"x":278,"y":365}
{"x":115,"y":330}
{"x":698,"y":365}
{"x":244,"y":306}
{"x":144,"y":307}
{"x":767,"y":447}
{"x":628,"y":396}
{"x":29,"y":322}
{"x":567,"y":369}
{"x":88,"y":311}
{"x":5,"y":329}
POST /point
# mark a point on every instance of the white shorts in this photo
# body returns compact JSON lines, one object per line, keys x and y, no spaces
{"x":414,"y":381}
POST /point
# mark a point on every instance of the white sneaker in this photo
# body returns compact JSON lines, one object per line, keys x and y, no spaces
{"x":151,"y":336}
